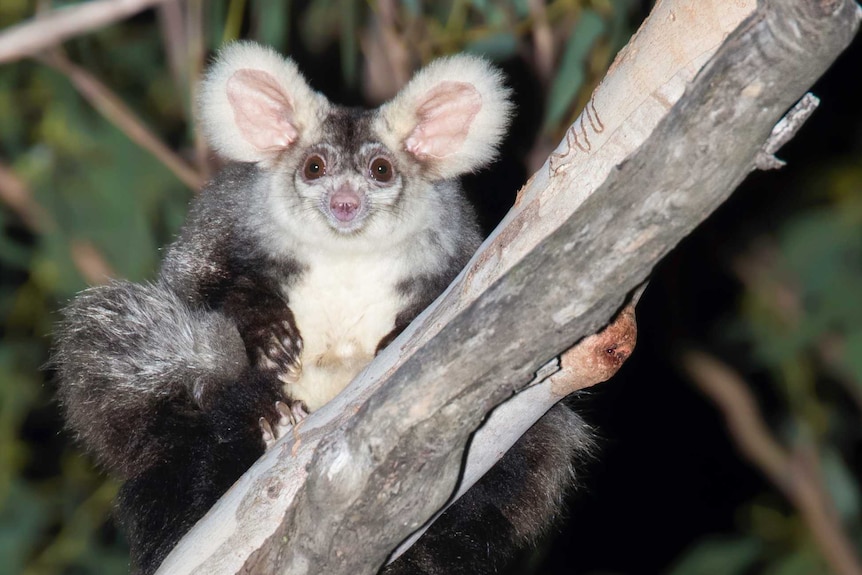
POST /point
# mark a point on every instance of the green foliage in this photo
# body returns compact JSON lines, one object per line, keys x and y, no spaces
{"x":573,"y":67}
{"x":95,"y":196}
{"x":725,"y":556}
{"x":801,"y":316}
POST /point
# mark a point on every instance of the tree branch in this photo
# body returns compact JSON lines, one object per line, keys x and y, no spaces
{"x":592,"y":360}
{"x":672,"y":130}
{"x":56,"y":26}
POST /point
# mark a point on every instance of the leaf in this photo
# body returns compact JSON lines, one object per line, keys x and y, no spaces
{"x":841,"y":485}
{"x":99,"y":186}
{"x":12,"y":125}
{"x":522,"y":8}
{"x":571,"y":73}
{"x":620,"y":26}
{"x":234,"y":20}
{"x":13,"y":252}
{"x":319,"y":24}
{"x":852,"y":356}
{"x":349,"y":41}
{"x":23,"y":516}
{"x":825,"y":252}
{"x":726,"y":556}
{"x":414,"y":7}
{"x":805,"y":561}
{"x":216,"y":10}
{"x":272,"y":22}
{"x":496,"y":46}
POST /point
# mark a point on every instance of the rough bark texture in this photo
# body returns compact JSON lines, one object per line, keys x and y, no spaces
{"x":388,"y":453}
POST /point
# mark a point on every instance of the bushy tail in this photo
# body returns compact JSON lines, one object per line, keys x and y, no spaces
{"x":509,"y":509}
{"x":133,"y":362}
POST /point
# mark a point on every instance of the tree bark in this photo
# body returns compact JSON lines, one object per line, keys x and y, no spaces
{"x":686,"y":112}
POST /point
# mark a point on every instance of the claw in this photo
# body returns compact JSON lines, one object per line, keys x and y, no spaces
{"x":289,"y":418}
{"x":267,"y":362}
{"x":288,"y":378}
{"x":292,"y":414}
{"x":284,"y":411}
{"x":267,"y":432}
{"x":298,"y":412}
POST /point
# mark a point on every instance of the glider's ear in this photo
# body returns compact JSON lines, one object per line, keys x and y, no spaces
{"x":254,"y":104}
{"x":451,"y":116}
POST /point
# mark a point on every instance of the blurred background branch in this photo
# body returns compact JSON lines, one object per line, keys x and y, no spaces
{"x":99,"y":156}
{"x":115,"y":111}
{"x":795,"y":473}
{"x":51,"y":27}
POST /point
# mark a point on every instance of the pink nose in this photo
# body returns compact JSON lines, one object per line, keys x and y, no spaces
{"x":344,"y":204}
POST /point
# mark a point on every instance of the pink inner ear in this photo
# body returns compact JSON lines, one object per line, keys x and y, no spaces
{"x":445,"y":115}
{"x":261,"y":110}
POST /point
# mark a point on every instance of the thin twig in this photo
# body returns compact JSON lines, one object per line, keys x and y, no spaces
{"x":784,"y":131}
{"x":543,"y":41}
{"x":196,"y":56}
{"x":16,"y":194}
{"x":388,"y":59}
{"x":795,"y":473}
{"x":173,"y":32}
{"x":116,"y":111}
{"x":92,"y":266}
{"x":56,"y":26}
{"x":598,"y":357}
{"x":786,"y":128}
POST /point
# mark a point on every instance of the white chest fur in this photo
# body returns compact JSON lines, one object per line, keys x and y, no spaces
{"x":343,"y":308}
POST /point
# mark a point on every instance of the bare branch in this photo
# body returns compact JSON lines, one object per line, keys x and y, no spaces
{"x":592,"y":360}
{"x":90,"y":262}
{"x":388,"y":60}
{"x":15,"y":193}
{"x":51,"y":28}
{"x":117,"y":112}
{"x":173,"y":32}
{"x":544,"y":56}
{"x":796,"y":474}
{"x":196,"y":55}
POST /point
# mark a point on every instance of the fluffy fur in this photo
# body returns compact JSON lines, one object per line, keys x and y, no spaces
{"x":329,"y":232}
{"x":402,"y":120}
{"x":286,"y":99}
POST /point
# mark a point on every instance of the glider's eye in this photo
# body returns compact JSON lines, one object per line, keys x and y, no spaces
{"x":314,"y":167}
{"x":381,"y":170}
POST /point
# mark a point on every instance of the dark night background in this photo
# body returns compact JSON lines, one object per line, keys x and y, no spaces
{"x":667,"y":474}
{"x":667,"y":482}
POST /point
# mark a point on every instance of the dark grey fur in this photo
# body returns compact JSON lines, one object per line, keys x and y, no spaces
{"x":165,"y":382}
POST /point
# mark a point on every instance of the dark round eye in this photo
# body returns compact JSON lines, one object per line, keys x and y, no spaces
{"x":381,"y":169}
{"x":314,"y":167}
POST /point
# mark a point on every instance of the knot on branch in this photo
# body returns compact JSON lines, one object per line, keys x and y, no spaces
{"x":598,"y":357}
